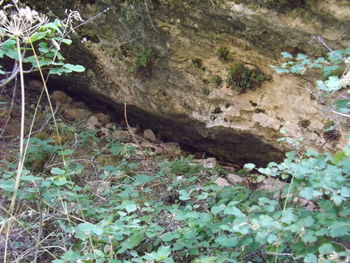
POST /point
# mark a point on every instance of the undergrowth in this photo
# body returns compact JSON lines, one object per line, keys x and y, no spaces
{"x":136,"y":207}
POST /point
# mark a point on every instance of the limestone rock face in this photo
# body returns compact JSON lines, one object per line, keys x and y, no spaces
{"x":170,"y":60}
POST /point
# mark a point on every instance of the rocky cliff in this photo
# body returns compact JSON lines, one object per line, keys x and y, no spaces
{"x":198,"y":71}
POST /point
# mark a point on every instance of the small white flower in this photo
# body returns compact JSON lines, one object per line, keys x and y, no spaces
{"x":345,"y":79}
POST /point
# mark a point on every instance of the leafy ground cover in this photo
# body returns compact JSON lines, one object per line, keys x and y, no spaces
{"x":96,"y":198}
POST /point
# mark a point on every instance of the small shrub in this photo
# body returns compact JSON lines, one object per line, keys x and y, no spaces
{"x":223,"y":53}
{"x":242,"y":78}
{"x":145,"y":59}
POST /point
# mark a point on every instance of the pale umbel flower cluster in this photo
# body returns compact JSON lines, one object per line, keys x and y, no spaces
{"x":20,"y":21}
{"x":72,"y":16}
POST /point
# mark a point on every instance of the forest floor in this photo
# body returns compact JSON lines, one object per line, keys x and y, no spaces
{"x":93,"y":190}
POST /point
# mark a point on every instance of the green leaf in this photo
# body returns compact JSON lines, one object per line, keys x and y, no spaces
{"x":76,"y":68}
{"x":57,"y":171}
{"x":339,"y":229}
{"x":59,"y":180}
{"x":9,"y":44}
{"x":326,"y":248}
{"x":64,"y":40}
{"x":232,"y":210}
{"x":302,"y":56}
{"x":310,"y":258}
{"x":333,"y":83}
{"x":217,"y":209}
{"x":36,"y":36}
{"x":342,"y":106}
{"x":66,"y":152}
{"x":128,"y":205}
{"x":226,"y":241}
{"x":281,"y":70}
{"x":297,"y":69}
{"x":8,"y":185}
{"x":184,"y":195}
{"x":169,"y":236}
{"x":142,"y":179}
{"x":86,"y":229}
{"x":133,"y":241}
{"x":163,"y":252}
{"x":309,"y":193}
{"x":288,"y":216}
{"x":56,"y":71}
{"x":249,"y":166}
{"x":309,"y":236}
{"x":286,"y":55}
{"x":53,"y":26}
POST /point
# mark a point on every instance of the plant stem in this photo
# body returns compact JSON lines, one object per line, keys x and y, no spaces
{"x":21,"y":142}
{"x":21,"y":145}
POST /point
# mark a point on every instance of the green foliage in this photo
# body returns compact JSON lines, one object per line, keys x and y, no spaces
{"x":46,"y":40}
{"x":175,"y":213}
{"x":224,"y":53}
{"x":242,"y":78}
{"x":145,"y":60}
{"x":331,"y":67}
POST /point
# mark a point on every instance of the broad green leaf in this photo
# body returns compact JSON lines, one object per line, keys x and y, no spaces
{"x":76,"y":68}
{"x":342,"y":106}
{"x":8,"y":185}
{"x":226,"y":241}
{"x":29,"y":178}
{"x":340,"y":229}
{"x":310,"y":258}
{"x":133,"y":241}
{"x":162,"y":253}
{"x":169,"y":236}
{"x":52,"y":26}
{"x":217,"y":209}
{"x":232,"y":210}
{"x":128,"y":205}
{"x":333,"y":83}
{"x":326,"y":248}
{"x":249,"y":166}
{"x":184,"y":195}
{"x":57,"y":171}
{"x":309,"y":236}
{"x":297,"y":69}
{"x":56,"y":71}
{"x":36,"y":36}
{"x":64,"y":40}
{"x":9,"y":44}
{"x":86,"y":229}
{"x":59,"y":180}
{"x":309,"y":193}
{"x":142,"y":179}
{"x":302,"y":56}
{"x":288,"y":216}
{"x":286,"y":55}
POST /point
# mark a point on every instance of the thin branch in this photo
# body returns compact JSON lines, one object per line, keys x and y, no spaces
{"x":91,"y":18}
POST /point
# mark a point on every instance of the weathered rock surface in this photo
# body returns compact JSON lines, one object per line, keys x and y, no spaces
{"x":182,"y":92}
